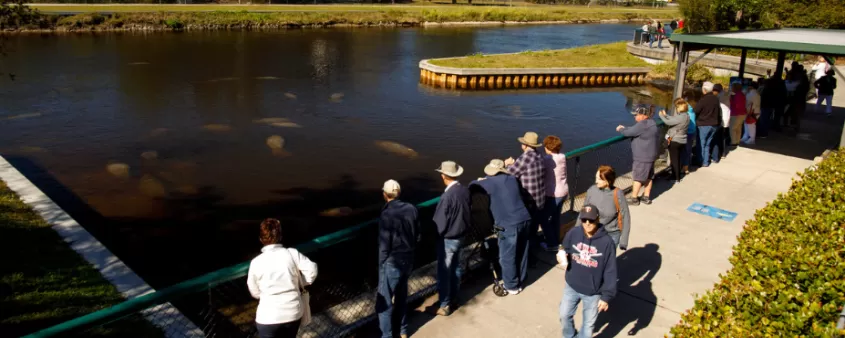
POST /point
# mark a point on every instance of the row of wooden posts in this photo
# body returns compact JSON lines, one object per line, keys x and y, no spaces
{"x":453,"y":81}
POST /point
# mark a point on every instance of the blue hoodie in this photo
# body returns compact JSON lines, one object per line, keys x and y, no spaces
{"x":592,"y":263}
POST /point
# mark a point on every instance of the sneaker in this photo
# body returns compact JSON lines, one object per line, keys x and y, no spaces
{"x":645,"y":200}
{"x":513,"y":292}
{"x":444,"y":311}
{"x":633,"y":201}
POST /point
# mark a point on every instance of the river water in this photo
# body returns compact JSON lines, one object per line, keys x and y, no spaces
{"x":159,"y":143}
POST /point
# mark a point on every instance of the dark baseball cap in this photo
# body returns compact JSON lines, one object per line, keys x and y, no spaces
{"x":718,"y":88}
{"x":589,"y":212}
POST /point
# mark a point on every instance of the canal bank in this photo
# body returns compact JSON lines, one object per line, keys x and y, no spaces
{"x":79,"y":18}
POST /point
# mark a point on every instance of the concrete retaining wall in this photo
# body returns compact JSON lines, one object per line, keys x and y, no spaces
{"x":516,"y":78}
{"x":721,"y":64}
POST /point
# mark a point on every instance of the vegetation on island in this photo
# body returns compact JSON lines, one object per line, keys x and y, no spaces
{"x":788,"y":275}
{"x":604,"y":55}
{"x":43,"y":282}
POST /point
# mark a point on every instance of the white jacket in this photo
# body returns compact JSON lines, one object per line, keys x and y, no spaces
{"x":273,"y":279}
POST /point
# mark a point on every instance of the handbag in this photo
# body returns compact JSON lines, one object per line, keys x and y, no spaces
{"x":618,"y":209}
{"x":305,"y":297}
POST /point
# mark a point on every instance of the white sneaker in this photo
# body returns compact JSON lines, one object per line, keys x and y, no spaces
{"x":514,"y":292}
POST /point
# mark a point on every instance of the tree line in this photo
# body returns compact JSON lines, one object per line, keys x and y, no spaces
{"x":721,"y":15}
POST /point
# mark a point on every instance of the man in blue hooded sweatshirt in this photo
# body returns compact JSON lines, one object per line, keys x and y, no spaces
{"x":589,"y":256}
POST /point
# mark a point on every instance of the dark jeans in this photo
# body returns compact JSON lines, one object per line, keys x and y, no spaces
{"x":764,"y":121}
{"x":537,"y":214}
{"x":283,"y":330}
{"x":393,"y":285}
{"x":676,"y":151}
{"x":448,"y":270}
{"x":777,"y":121}
{"x":551,"y":220}
{"x":513,"y":254}
{"x":706,"y":134}
{"x":693,"y":150}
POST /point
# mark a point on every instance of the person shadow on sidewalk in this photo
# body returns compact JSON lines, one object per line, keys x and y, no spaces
{"x":635,"y":300}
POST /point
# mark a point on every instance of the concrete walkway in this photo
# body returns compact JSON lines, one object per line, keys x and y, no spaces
{"x":674,"y":253}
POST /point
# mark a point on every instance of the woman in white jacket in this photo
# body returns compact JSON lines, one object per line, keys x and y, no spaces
{"x":276,"y":278}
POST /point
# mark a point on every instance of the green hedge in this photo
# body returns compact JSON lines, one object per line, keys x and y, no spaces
{"x":788,"y":275}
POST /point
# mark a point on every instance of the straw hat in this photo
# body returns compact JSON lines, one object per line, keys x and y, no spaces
{"x":450,"y":168}
{"x":530,"y":139}
{"x":496,"y":166}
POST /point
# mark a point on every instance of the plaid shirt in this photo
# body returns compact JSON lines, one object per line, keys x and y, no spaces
{"x":530,"y":171}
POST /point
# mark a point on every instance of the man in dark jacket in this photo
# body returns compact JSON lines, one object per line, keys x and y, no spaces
{"x":589,"y":256}
{"x":707,"y":118}
{"x":513,"y":220}
{"x":772,"y":102}
{"x":644,"y":136}
{"x":452,"y":217}
{"x":398,"y":229}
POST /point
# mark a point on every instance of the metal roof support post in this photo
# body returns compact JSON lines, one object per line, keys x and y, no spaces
{"x":781,"y":63}
{"x":680,"y":71}
{"x":742,"y":63}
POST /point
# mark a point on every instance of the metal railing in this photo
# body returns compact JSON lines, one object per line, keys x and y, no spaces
{"x":342,"y":299}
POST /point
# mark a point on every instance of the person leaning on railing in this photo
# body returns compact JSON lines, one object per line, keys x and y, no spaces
{"x":276,"y":278}
{"x":557,"y":190}
{"x":644,"y":135}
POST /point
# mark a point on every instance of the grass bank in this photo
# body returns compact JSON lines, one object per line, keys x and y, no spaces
{"x":43,"y":282}
{"x":605,"y":55}
{"x":180,"y":17}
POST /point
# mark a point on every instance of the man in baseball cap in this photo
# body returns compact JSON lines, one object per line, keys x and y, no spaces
{"x":589,"y":256}
{"x":398,"y":234}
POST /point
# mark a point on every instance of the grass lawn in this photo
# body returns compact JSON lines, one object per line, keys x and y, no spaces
{"x":606,"y":55}
{"x":43,"y":282}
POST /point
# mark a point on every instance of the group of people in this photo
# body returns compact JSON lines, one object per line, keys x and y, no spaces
{"x":654,"y":30}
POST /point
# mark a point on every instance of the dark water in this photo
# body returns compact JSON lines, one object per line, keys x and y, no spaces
{"x":82,"y":102}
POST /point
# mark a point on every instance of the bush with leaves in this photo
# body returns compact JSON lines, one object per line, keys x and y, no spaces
{"x":666,"y":71}
{"x":788,"y":275}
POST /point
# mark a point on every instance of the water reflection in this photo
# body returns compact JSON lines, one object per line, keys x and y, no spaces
{"x":201,"y":135}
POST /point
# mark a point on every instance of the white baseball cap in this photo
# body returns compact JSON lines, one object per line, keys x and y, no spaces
{"x":391,"y":186}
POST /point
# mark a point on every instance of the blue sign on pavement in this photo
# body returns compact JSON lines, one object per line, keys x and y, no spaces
{"x":711,"y":211}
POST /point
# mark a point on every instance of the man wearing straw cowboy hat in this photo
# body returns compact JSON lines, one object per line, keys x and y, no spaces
{"x":512,"y":220}
{"x":452,"y":217}
{"x":529,"y":168}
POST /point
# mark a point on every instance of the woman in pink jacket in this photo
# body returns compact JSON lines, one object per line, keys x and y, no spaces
{"x":737,"y":113}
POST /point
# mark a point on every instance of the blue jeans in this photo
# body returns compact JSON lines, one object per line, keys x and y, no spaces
{"x":448,"y":269}
{"x":551,"y":220}
{"x":706,"y":135}
{"x":513,"y":254}
{"x":393,"y":285}
{"x":568,"y":305}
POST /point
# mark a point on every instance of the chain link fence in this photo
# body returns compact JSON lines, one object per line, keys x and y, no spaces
{"x":343,"y":296}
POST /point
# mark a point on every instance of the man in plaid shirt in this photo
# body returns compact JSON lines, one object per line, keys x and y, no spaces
{"x":530,"y":171}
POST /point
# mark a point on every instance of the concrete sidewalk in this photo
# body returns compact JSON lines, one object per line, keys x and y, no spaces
{"x":674,"y":253}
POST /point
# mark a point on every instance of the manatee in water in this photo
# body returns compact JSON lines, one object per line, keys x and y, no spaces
{"x":23,"y":116}
{"x":118,"y":169}
{"x":158,"y":131}
{"x":152,"y":187}
{"x":290,"y":96}
{"x":222,"y":79}
{"x":149,"y":155}
{"x":268,"y":120}
{"x":396,"y":149}
{"x":337,"y":212}
{"x":138,"y":63}
{"x":336,"y":97}
{"x":286,"y":125}
{"x":516,"y":111}
{"x":266,"y":78}
{"x":277,"y":145}
{"x":217,"y":127}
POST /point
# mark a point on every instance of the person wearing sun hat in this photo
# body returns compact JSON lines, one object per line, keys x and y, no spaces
{"x":452,"y":217}
{"x":513,"y":220}
{"x":530,"y":169}
{"x":398,"y":235}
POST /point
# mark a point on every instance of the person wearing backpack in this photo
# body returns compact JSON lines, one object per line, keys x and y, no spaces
{"x":613,"y":208}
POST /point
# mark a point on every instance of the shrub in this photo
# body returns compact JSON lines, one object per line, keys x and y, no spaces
{"x":788,"y":275}
{"x":666,"y":71}
{"x":174,"y":24}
